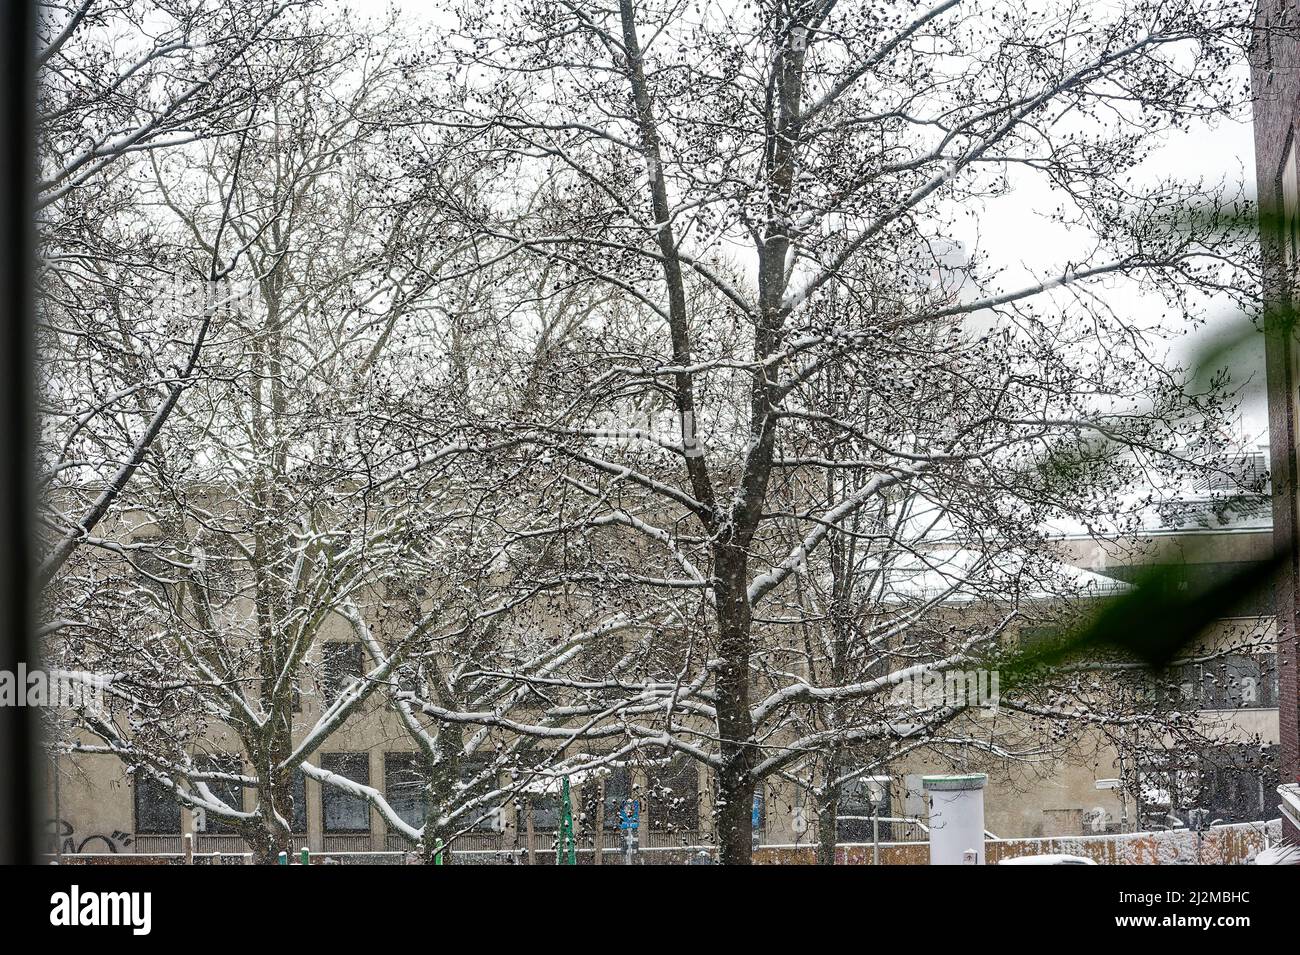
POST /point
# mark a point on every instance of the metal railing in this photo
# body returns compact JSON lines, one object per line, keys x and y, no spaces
{"x":347,"y":842}
{"x":891,"y":828}
{"x":203,"y":842}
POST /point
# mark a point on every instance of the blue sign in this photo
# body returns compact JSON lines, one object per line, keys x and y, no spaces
{"x":629,"y":814}
{"x":756,"y":814}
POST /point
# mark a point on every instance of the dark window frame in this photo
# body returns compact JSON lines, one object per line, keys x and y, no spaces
{"x":342,"y":664}
{"x":680,"y":811}
{"x":337,"y":763}
{"x":615,"y":796}
{"x":216,"y":825}
{"x":400,"y":800}
{"x":142,"y":784}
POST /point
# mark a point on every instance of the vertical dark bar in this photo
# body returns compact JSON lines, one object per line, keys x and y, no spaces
{"x":18,"y":747}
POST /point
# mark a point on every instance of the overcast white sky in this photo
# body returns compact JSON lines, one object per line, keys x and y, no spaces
{"x":1014,"y":229}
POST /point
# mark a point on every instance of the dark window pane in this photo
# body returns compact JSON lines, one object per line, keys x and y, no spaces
{"x":299,"y":820}
{"x":341,"y":811}
{"x":1191,"y":685}
{"x":231,"y":793}
{"x":618,"y":787}
{"x":405,"y":787}
{"x":546,"y":811}
{"x":1239,"y":682}
{"x":340,"y":666}
{"x":157,"y":811}
{"x":1237,"y":782}
{"x":856,"y":808}
{"x":675,"y":796}
{"x":1247,"y":471}
{"x":476,"y":774}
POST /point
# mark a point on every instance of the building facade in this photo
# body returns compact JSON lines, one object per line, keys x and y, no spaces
{"x":98,"y":806}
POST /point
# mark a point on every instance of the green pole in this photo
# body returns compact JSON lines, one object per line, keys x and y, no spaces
{"x":565,"y":850}
{"x":437,"y":851}
{"x":283,"y":858}
{"x":305,"y":856}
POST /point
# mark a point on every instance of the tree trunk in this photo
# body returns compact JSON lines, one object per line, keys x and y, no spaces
{"x":731,"y":818}
{"x":436,"y":839}
{"x":442,"y":775}
{"x":735,"y":784}
{"x":828,"y":812}
{"x":266,"y":837}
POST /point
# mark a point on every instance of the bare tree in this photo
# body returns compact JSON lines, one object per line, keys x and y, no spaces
{"x":274,"y":506}
{"x":728,"y":172}
{"x":117,"y":81}
{"x":124,"y":78}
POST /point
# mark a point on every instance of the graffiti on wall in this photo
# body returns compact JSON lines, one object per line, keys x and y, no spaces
{"x":61,"y":836}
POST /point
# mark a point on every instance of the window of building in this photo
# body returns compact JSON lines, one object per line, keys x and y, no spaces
{"x":1239,"y":783}
{"x":674,"y":795}
{"x":545,"y":808}
{"x":157,"y":810}
{"x":340,"y":667}
{"x":1235,"y":682}
{"x":342,"y":811}
{"x":618,"y":789}
{"x":406,"y":788}
{"x":1249,"y":471}
{"x":1168,"y":789}
{"x":299,"y":818}
{"x":475,"y":773}
{"x":860,"y":800}
{"x":231,"y":793}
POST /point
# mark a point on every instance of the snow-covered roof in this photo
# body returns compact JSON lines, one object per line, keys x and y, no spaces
{"x":964,"y":576}
{"x":1278,"y":855}
{"x":1215,"y":512}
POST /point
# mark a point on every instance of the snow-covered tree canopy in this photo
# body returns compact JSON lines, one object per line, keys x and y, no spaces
{"x":633,"y":381}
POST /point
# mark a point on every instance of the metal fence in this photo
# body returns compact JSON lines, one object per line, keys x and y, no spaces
{"x":1228,"y":844}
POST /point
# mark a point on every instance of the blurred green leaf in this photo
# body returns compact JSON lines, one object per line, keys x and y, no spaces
{"x":1154,"y":622}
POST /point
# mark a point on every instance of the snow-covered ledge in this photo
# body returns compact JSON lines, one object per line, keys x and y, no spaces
{"x":1290,"y":804}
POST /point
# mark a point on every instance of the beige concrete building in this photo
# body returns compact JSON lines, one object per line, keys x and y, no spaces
{"x":96,"y":806}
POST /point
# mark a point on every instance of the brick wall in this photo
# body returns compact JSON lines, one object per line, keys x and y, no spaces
{"x":1275,"y":81}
